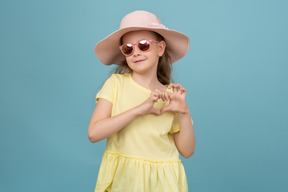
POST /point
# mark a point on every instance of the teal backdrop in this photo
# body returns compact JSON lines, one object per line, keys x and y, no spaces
{"x":235,"y":72}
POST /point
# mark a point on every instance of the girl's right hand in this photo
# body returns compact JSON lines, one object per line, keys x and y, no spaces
{"x":147,"y":106}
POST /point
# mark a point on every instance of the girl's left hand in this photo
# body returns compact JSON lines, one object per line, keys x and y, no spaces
{"x":177,"y":99}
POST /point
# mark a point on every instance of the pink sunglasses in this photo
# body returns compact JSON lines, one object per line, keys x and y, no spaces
{"x":143,"y":45}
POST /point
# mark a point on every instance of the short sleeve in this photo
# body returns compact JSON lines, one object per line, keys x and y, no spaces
{"x":176,"y":124}
{"x":108,"y":90}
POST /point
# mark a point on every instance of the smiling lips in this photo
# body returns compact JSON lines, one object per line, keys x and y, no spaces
{"x":138,"y":61}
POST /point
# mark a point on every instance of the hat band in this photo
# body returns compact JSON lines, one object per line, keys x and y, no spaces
{"x":157,"y":25}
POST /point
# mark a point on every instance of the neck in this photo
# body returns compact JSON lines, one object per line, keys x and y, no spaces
{"x":147,"y":80}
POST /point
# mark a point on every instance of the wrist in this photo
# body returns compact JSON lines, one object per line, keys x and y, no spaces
{"x":184,"y":113}
{"x":140,"y":110}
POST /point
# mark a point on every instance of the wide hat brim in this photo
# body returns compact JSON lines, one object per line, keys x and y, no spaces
{"x":108,"y":52}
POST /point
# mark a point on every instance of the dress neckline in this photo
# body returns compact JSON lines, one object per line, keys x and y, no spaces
{"x":140,"y":86}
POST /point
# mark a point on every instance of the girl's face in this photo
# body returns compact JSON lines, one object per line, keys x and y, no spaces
{"x":143,"y":61}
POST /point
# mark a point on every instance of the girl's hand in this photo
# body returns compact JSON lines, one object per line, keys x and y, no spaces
{"x":147,"y":106}
{"x":177,"y":100}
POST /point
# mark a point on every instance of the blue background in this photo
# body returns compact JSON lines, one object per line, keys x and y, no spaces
{"x":235,"y":73}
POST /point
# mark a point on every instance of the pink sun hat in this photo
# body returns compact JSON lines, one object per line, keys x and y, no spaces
{"x":108,"y":52}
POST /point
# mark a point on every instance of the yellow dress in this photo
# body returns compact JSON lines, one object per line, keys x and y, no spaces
{"x":141,"y":157}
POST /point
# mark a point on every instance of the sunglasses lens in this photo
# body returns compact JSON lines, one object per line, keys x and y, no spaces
{"x":127,"y":49}
{"x":144,"y":45}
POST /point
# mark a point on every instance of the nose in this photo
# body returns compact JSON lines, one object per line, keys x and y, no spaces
{"x":137,"y":51}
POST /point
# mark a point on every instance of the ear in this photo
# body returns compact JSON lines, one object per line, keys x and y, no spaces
{"x":161,"y":48}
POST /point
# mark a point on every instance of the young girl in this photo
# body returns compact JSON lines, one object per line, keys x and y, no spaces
{"x":144,"y":117}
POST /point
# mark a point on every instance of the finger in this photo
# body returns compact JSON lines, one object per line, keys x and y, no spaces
{"x":178,"y":86}
{"x":155,"y":111}
{"x":166,"y":95}
{"x":182,"y":90}
{"x":155,"y":96}
{"x":175,"y":90}
{"x":162,"y":96}
{"x":171,"y":96}
{"x":170,"y":85}
{"x":158,"y":93}
{"x":175,"y":85}
{"x":166,"y":108}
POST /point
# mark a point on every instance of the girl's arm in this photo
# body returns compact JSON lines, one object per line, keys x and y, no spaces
{"x":185,"y":138}
{"x":102,"y":125}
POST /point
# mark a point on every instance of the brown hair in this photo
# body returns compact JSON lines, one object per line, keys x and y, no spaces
{"x":164,"y":67}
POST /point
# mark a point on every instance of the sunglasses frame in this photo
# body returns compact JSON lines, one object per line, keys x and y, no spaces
{"x":133,"y":46}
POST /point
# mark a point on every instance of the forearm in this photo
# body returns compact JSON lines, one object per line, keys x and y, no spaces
{"x":106,"y":127}
{"x":186,"y":137}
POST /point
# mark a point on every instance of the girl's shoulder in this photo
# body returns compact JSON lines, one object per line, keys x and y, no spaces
{"x":120,"y":75}
{"x":117,"y":78}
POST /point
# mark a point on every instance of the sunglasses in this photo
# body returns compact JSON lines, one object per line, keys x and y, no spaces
{"x":143,"y":45}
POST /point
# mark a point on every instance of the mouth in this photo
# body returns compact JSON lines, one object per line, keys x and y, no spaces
{"x":138,"y":61}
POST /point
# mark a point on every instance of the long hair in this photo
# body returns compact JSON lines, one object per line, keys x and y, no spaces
{"x":164,"y":68}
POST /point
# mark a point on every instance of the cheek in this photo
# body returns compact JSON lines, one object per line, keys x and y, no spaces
{"x":154,"y":56}
{"x":129,"y":61}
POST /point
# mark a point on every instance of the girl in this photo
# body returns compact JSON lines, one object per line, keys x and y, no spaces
{"x":145,"y":117}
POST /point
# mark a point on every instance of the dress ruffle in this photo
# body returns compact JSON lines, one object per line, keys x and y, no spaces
{"x":121,"y":173}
